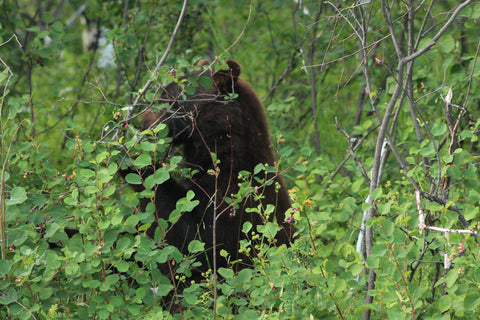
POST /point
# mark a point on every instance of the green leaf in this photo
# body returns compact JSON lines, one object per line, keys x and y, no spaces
{"x":190,"y":195}
{"x":158,"y":177}
{"x":269,"y":230}
{"x":163,"y":290}
{"x":446,"y":44}
{"x":108,"y":191}
{"x":286,"y":151}
{"x":196,"y":246}
{"x":34,"y":29}
{"x":471,"y":301}
{"x":116,"y":218}
{"x":133,"y":178}
{"x":5,"y":266}
{"x":71,"y":268}
{"x":223,"y":253}
{"x":445,"y":303}
{"x":122,"y":266}
{"x":117,"y":301}
{"x":205,"y":82}
{"x":384,"y":208}
{"x":45,"y":293}
{"x":377,"y":193}
{"x":476,"y":12}
{"x":300,"y":167}
{"x":53,"y":260}
{"x":470,"y":212}
{"x":161,"y":175}
{"x":110,"y":281}
{"x":448,"y":158}
{"x":132,"y":221}
{"x":259,"y":167}
{"x":142,"y":161}
{"x":439,"y":129}
{"x":372,"y":262}
{"x":452,"y":277}
{"x":140,"y":294}
{"x":90,"y":190}
{"x":247,"y":226}
{"x":379,"y":250}
{"x":17,"y":196}
{"x":244,"y":276}
{"x":226,"y":273}
{"x":86,"y":173}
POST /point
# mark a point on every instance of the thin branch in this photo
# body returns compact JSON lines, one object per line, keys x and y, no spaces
{"x":437,"y":36}
{"x":351,"y":151}
{"x":162,"y":59}
{"x":472,"y":72}
{"x":422,"y":226}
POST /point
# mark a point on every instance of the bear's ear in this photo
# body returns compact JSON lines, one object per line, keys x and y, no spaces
{"x":234,"y":68}
{"x":225,"y":79}
{"x":203,"y":62}
{"x":149,"y":118}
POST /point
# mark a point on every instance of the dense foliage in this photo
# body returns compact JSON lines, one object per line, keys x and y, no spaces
{"x":373,"y":107}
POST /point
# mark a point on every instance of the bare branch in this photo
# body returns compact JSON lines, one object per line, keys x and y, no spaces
{"x":422,"y":226}
{"x":351,"y":151}
{"x":162,"y":59}
{"x":437,"y":36}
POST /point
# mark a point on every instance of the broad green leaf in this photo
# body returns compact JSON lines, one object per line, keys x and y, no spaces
{"x":446,"y":44}
{"x":226,"y":273}
{"x":247,"y":226}
{"x":90,"y":190}
{"x":133,"y":178}
{"x":452,"y":277}
{"x":205,"y":82}
{"x":244,"y":276}
{"x":116,"y":218}
{"x":132,"y":221}
{"x":445,"y":303}
{"x":53,"y":260}
{"x":268,"y":230}
{"x":86,"y":173}
{"x":379,"y":249}
{"x":163,"y":290}
{"x":377,"y":193}
{"x":5,"y":266}
{"x":142,"y":161}
{"x":45,"y":293}
{"x":17,"y":196}
{"x":196,"y":246}
{"x":471,"y":301}
{"x":259,"y":167}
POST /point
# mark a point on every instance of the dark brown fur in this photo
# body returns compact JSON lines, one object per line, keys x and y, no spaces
{"x":236,"y":131}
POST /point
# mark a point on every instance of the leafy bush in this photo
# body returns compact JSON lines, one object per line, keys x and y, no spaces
{"x":374,"y":111}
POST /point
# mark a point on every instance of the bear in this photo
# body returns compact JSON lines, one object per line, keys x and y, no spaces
{"x":223,"y":116}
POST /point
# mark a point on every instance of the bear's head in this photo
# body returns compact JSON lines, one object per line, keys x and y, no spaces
{"x":191,"y":93}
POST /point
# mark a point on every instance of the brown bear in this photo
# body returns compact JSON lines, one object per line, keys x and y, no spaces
{"x":223,"y":116}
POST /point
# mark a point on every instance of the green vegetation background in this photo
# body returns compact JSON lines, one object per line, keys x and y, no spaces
{"x":326,"y":94}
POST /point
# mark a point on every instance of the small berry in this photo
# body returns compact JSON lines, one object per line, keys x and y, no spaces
{"x":291,"y":219}
{"x":107,"y":198}
{"x":74,"y":155}
{"x":54,"y":175}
